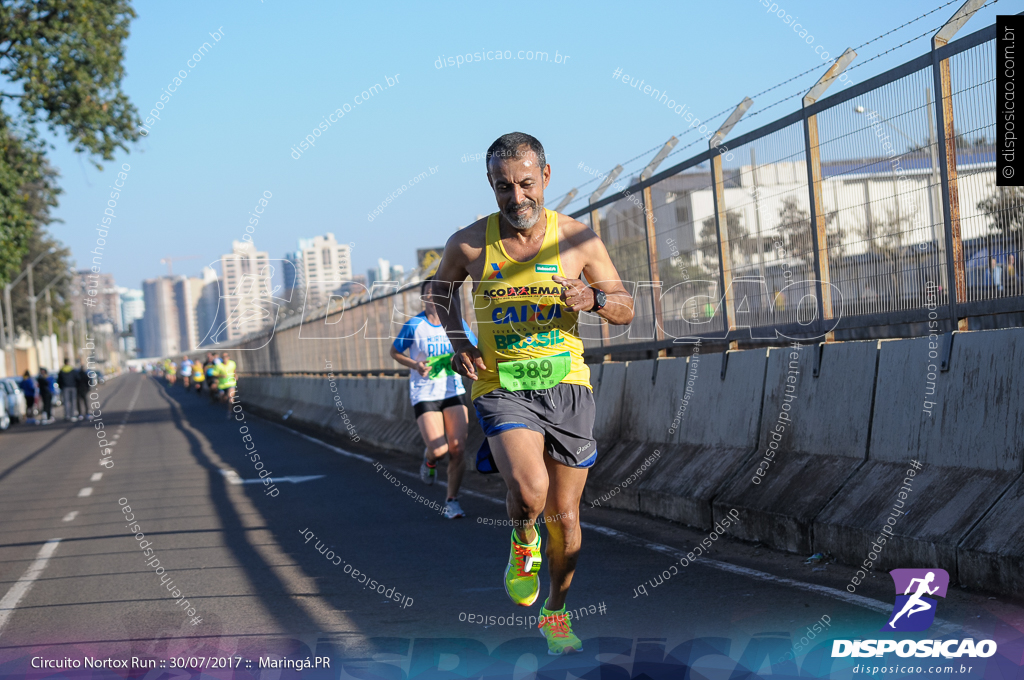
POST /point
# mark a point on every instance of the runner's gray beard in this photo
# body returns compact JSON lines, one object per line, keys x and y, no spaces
{"x":519,"y":223}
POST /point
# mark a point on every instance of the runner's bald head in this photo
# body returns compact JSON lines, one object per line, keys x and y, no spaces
{"x":511,"y":146}
{"x":518,"y":173}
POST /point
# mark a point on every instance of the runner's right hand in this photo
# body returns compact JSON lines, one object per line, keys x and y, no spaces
{"x":422,"y":368}
{"x":467,"y":361}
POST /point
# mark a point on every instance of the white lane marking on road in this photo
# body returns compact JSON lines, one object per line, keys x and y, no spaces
{"x":70,"y":516}
{"x":850,"y":598}
{"x":233,"y":478}
{"x":87,"y":491}
{"x":357,"y":456}
{"x":96,"y":476}
{"x":24,"y":584}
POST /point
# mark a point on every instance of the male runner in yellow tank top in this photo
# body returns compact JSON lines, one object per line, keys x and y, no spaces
{"x":532,"y":390}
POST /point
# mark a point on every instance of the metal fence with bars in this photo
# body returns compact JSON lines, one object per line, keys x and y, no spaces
{"x":874,"y":206}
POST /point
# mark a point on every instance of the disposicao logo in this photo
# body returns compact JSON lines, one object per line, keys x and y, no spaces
{"x":913,"y":612}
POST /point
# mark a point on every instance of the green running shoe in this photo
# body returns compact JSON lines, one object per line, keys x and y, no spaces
{"x":521,"y":581}
{"x":556,"y":627}
{"x":428,"y":473}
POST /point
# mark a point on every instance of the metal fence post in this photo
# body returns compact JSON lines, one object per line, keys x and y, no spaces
{"x":652,"y":239}
{"x":652,"y":265}
{"x":595,"y":224}
{"x":377,"y":324}
{"x":722,"y":226}
{"x":567,"y":199}
{"x":819,"y":232}
{"x":955,"y":266}
{"x":364,"y":348}
{"x":721,"y":214}
{"x":595,"y":218}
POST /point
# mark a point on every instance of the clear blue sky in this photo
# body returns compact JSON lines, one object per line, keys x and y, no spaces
{"x":225,"y":136}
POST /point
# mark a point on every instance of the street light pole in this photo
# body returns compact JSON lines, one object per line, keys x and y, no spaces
{"x":49,"y":328}
{"x":861,"y":109}
{"x":71,"y":338}
{"x":33,"y":299}
{"x":7,"y":304}
{"x":10,"y":329}
{"x":34,"y":322}
{"x":49,"y":313}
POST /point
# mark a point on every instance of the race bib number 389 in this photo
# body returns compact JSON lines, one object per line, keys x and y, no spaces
{"x":534,"y":374}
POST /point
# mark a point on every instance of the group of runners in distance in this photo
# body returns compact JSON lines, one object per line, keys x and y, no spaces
{"x":531,"y":389}
{"x":217,"y":373}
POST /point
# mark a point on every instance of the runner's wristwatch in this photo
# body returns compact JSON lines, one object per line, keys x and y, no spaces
{"x":600,"y":300}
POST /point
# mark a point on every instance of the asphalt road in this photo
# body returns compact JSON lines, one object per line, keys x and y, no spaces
{"x":241,"y":560}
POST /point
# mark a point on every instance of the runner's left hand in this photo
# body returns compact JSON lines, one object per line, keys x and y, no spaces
{"x":576,"y":294}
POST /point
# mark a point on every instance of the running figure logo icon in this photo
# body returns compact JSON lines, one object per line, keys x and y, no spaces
{"x":915,"y":612}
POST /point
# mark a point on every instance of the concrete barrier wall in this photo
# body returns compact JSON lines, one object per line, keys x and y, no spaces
{"x":838,"y":464}
{"x":609,"y":382}
{"x":813,"y":435}
{"x":715,"y":430}
{"x":689,"y":427}
{"x":378,"y":408}
{"x":648,"y":389}
{"x":971,"y":451}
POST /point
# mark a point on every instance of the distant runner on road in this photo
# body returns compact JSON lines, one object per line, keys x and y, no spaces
{"x":198,"y":376}
{"x":225,"y":374}
{"x":532,"y":392}
{"x":186,"y":371}
{"x":435,"y":392}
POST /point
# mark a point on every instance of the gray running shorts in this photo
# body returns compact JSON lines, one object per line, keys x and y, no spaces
{"x":564,"y":414}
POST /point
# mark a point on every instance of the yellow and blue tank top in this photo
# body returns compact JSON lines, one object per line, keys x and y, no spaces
{"x":528,"y":339}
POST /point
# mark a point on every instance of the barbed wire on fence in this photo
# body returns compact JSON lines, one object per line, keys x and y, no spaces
{"x":753,"y":114}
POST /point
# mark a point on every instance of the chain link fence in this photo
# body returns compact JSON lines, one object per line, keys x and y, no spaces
{"x":866,"y":208}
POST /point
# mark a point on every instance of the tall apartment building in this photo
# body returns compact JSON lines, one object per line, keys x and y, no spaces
{"x":208,"y":311}
{"x":246,"y":280}
{"x":293,"y":277}
{"x":161,"y":332}
{"x":133,"y":307}
{"x":104,"y":307}
{"x":179,"y":313}
{"x":197,"y":301}
{"x":383,"y":272}
{"x":325,"y":265}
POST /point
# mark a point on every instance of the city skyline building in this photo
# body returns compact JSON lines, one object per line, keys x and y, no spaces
{"x":324,"y":266}
{"x":133,"y":308}
{"x":197,"y":301}
{"x":107,"y":307}
{"x":246,"y":280}
{"x":161,"y":332}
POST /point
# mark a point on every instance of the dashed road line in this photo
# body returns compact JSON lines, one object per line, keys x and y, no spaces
{"x":70,"y":517}
{"x":87,"y":491}
{"x":96,"y":476}
{"x":24,"y":584}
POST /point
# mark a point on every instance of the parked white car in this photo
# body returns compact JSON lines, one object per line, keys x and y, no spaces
{"x":5,"y":420}
{"x":14,"y":399}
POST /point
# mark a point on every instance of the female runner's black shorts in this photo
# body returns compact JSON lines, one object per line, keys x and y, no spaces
{"x":427,"y":406}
